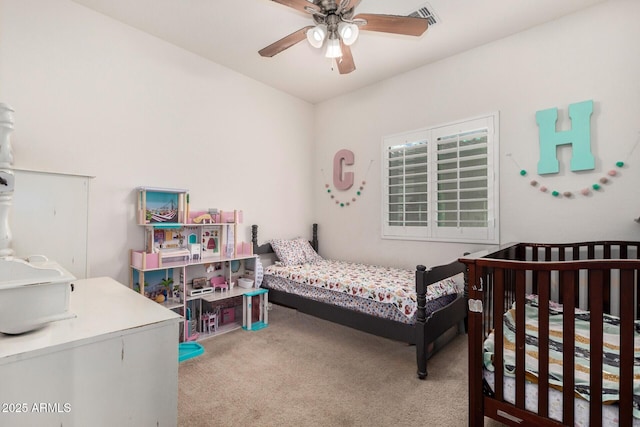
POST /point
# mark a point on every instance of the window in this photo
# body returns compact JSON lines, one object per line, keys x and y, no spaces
{"x":442,"y":183}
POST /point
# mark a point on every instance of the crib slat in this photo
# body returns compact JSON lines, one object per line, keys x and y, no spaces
{"x":488,"y":301}
{"x":534,"y":274}
{"x":623,"y":251}
{"x":543,"y":343}
{"x":520,"y":341}
{"x":498,"y":313}
{"x":596,"y":278}
{"x":568,"y":283}
{"x":606,"y":292}
{"x":626,"y":344}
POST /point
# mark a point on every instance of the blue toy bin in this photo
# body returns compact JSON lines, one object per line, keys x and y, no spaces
{"x":189,"y":350}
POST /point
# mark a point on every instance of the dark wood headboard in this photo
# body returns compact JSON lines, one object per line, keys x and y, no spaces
{"x":266,"y":247}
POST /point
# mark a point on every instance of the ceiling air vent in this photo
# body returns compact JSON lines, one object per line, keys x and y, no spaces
{"x":426,"y":11}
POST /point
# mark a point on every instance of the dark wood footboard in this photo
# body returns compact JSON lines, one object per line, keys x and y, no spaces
{"x":430,"y":328}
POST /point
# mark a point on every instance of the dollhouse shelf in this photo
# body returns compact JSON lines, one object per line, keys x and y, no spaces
{"x":172,"y":305}
{"x":138,"y":264}
{"x":181,"y":246}
{"x":231,"y":293}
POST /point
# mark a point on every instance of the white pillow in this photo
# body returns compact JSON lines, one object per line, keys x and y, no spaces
{"x":289,"y":252}
{"x":310,"y":254}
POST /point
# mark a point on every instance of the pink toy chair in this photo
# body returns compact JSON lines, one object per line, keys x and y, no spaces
{"x":218,"y":282}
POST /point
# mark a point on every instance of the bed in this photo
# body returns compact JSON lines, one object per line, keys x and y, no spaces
{"x":418,"y":319}
{"x":554,"y":337}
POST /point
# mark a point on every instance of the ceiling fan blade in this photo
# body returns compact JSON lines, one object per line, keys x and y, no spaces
{"x":300,"y":5}
{"x":345,"y":62}
{"x":406,"y":25}
{"x":285,"y":42}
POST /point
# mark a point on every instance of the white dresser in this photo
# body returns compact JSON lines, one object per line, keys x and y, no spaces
{"x":114,"y":364}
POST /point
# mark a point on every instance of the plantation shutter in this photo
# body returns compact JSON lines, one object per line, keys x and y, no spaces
{"x":441,"y":183}
{"x":406,"y":173}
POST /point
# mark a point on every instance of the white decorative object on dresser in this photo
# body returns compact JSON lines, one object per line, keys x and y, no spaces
{"x":33,"y":291}
{"x":6,"y":178}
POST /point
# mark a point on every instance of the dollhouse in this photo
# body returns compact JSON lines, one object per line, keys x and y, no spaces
{"x":191,"y":261}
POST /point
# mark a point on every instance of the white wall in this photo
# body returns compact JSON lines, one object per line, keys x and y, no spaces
{"x":589,"y":55}
{"x":95,"y":97}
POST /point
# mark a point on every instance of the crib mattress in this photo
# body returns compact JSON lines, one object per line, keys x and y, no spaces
{"x":581,"y":411}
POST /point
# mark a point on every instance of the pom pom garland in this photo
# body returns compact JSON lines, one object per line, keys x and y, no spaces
{"x":353,"y":199}
{"x":585,"y":191}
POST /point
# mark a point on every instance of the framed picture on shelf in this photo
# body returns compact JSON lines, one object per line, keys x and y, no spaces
{"x":161,"y":205}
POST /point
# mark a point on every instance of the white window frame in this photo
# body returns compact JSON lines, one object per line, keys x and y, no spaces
{"x":431,"y":231}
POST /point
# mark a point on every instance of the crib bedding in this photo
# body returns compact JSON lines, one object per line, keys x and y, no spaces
{"x":611,"y":340}
{"x":380,"y":291}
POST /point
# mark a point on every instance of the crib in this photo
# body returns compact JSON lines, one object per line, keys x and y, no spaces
{"x":553,"y":330}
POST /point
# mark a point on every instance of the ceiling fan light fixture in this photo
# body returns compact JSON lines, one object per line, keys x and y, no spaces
{"x":316,"y":35}
{"x":336,"y":27}
{"x":333,"y":48}
{"x":348,"y":32}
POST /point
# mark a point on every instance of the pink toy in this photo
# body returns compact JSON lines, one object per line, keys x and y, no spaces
{"x":228,"y":217}
{"x":218,"y":282}
{"x":228,"y":315}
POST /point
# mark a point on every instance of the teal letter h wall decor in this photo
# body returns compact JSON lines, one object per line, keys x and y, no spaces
{"x":579,"y":137}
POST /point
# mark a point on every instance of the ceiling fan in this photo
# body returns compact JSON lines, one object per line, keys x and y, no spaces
{"x":338,"y":28}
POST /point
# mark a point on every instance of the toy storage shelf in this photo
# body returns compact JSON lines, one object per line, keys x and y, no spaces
{"x":219,"y":296}
{"x":180,"y":264}
{"x":172,"y":305}
{"x":222,"y":329}
{"x":180,"y":246}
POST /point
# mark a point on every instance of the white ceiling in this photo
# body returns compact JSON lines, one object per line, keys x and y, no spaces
{"x":230,"y":33}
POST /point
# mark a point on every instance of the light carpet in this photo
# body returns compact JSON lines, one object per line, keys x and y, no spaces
{"x":304,"y":371}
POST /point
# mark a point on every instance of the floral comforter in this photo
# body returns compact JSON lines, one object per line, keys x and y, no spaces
{"x":382,"y":284}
